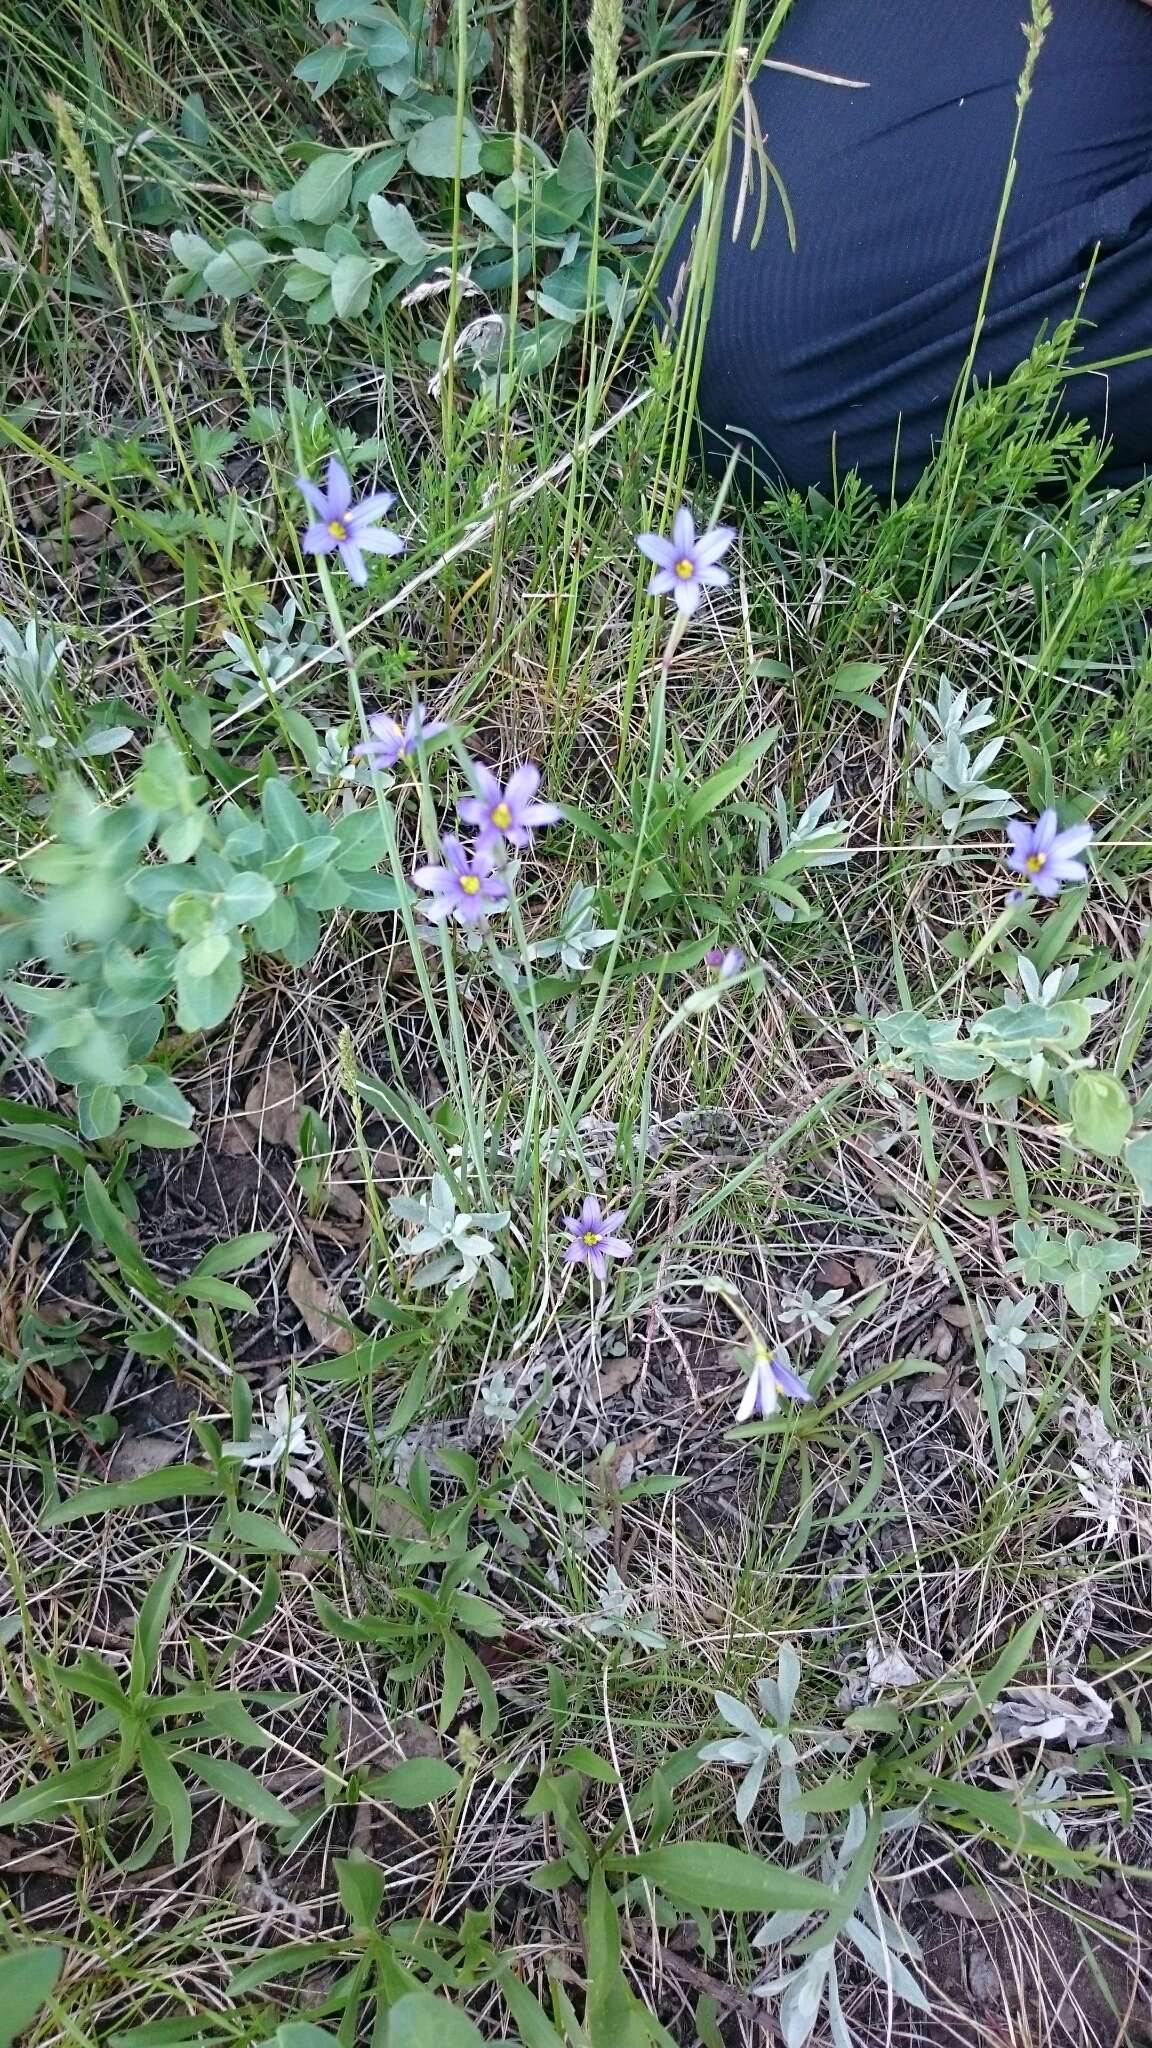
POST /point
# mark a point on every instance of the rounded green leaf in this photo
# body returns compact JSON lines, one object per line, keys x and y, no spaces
{"x":419,"y":2020}
{"x":205,"y":955}
{"x":161,"y":1132}
{"x":98,"y":1110}
{"x":178,"y":1482}
{"x":192,"y":252}
{"x":325,"y":188}
{"x":236,"y":268}
{"x":352,"y":285}
{"x":1101,"y":1113}
{"x":247,"y":895}
{"x":321,"y":68}
{"x":1138,"y":1160}
{"x":397,"y":229}
{"x":419,"y":1781}
{"x":444,"y":147}
{"x":204,"y":1000}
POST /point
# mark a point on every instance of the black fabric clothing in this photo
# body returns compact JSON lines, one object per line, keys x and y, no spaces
{"x":844,"y":354}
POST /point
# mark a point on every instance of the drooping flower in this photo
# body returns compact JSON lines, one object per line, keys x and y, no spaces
{"x":388,"y":741}
{"x":593,"y":1237}
{"x":725,"y":961}
{"x":771,"y":1376}
{"x":686,"y":563}
{"x":1044,"y":855}
{"x":466,"y":886}
{"x":509,"y":813}
{"x":351,"y":530}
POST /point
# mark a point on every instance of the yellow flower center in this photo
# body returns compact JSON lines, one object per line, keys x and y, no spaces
{"x":337,"y":529}
{"x":502,"y":817}
{"x":684,"y":569}
{"x":1035,"y":862}
{"x":470,"y":884}
{"x":591,"y":1238}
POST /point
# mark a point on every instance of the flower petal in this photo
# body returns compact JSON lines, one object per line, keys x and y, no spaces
{"x":376,"y":540}
{"x":684,"y":532}
{"x":597,"y":1261}
{"x":661,"y":583}
{"x":475,"y":812}
{"x":339,"y":489}
{"x":313,"y":496}
{"x":575,"y":1254}
{"x":717,"y":579}
{"x":317,"y":540}
{"x":374,"y":506}
{"x":1072,"y":840}
{"x":590,"y":1215}
{"x":787,"y":1381}
{"x":353,"y":561}
{"x":1048,"y":882}
{"x":687,"y":597}
{"x":657,"y":548}
{"x":486,"y":783}
{"x":749,"y":1398}
{"x":616,"y":1247}
{"x":431,"y":877}
{"x":383,"y":726}
{"x":1020,"y":835}
{"x":454,"y":854}
{"x":418,"y":731}
{"x":379,"y":754}
{"x":1045,"y":833}
{"x":522,"y":786}
{"x":542,"y":814}
{"x":714,"y":543}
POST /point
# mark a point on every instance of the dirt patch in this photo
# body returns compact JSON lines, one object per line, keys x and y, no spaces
{"x":1033,"y":1978}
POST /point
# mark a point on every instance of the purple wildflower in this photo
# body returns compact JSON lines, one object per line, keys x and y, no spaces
{"x":593,"y":1238}
{"x":725,"y":961}
{"x":770,"y":1377}
{"x":388,"y":741}
{"x":351,"y":530}
{"x":1046,"y":856}
{"x":685,"y":564}
{"x":508,"y":813}
{"x":466,"y":886}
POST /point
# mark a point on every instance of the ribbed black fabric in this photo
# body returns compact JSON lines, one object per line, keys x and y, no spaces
{"x":855,"y":341}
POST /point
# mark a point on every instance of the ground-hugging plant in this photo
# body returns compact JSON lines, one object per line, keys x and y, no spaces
{"x":126,"y":942}
{"x":756,"y":1747}
{"x":879,"y":1942}
{"x":365,"y":226}
{"x":463,"y":1241}
{"x":949,"y":781}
